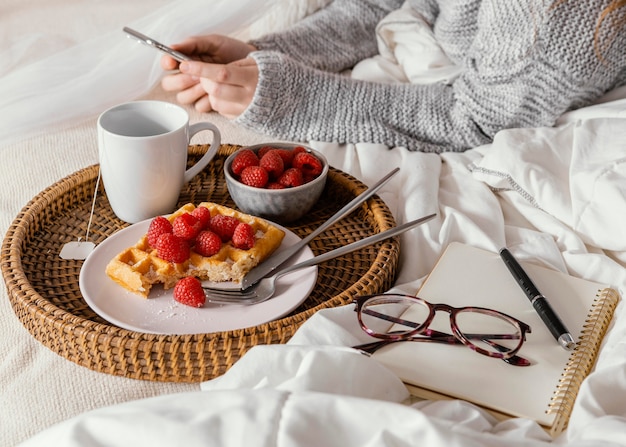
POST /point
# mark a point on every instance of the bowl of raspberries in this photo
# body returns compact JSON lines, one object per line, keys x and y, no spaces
{"x":277,"y":181}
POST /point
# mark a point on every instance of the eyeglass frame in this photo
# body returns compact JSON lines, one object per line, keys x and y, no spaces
{"x":423,"y":329}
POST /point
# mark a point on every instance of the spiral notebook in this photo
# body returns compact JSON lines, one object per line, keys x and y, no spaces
{"x":544,"y":391}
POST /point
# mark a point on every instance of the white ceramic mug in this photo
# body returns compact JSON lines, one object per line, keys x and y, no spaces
{"x":143,"y":156}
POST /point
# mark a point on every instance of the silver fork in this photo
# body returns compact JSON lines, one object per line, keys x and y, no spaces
{"x":266,"y":287}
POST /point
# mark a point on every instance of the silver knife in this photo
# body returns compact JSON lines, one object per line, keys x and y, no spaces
{"x":369,"y":240}
{"x":268,"y":266}
{"x":255,"y":299}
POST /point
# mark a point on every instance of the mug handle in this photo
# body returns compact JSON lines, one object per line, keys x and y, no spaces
{"x":206,"y":158}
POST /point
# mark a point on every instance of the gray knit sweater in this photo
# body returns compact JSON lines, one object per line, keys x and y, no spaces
{"x":524,"y":64}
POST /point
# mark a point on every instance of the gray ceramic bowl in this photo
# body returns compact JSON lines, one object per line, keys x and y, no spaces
{"x":277,"y":205}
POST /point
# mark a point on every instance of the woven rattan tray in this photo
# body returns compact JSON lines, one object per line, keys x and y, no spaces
{"x":44,"y":292}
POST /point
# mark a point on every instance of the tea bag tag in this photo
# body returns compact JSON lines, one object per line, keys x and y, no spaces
{"x":79,"y":250}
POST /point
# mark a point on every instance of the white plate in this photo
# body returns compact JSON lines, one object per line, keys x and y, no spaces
{"x":160,"y":314}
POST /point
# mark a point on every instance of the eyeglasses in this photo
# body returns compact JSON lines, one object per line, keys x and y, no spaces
{"x":395,"y":317}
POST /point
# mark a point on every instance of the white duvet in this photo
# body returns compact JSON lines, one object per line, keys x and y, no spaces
{"x":555,"y":196}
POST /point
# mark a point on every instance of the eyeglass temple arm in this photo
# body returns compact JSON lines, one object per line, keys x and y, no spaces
{"x":434,"y":333}
{"x":370,"y":348}
{"x":391,"y":319}
{"x":431,"y":336}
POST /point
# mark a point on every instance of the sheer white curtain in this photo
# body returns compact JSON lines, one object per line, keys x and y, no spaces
{"x":59,"y":86}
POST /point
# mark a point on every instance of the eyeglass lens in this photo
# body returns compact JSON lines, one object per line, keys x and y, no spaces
{"x":383,"y":316}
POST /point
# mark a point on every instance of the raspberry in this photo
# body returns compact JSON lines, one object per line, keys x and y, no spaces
{"x":273,"y":164}
{"x":207,"y":243}
{"x":275,"y":185}
{"x":307,"y":177}
{"x":291,"y":178}
{"x":172,"y":248}
{"x":186,"y":227}
{"x":158,"y":226}
{"x":264,"y":150}
{"x":297,"y":150}
{"x":203,"y":214}
{"x":286,"y":155}
{"x":308,"y":163}
{"x":255,"y":176}
{"x":223,"y":226}
{"x":188,"y":291}
{"x":243,"y":159}
{"x":243,"y":237}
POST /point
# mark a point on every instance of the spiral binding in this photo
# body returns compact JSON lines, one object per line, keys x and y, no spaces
{"x":582,"y":359}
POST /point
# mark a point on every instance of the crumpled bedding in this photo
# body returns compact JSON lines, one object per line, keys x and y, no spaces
{"x":554,"y":196}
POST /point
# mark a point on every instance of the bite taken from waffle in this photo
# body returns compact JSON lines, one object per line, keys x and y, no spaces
{"x":210,"y":242}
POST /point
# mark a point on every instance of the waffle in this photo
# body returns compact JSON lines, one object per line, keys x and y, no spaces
{"x":138,"y":268}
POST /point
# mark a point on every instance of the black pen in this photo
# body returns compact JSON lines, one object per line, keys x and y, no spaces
{"x":539,"y":302}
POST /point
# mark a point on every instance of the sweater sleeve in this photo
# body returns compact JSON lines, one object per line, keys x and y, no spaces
{"x":526,"y":81}
{"x":301,"y":103}
{"x":334,"y":38}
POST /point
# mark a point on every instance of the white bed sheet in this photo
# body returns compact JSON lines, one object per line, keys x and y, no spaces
{"x":559,"y":200}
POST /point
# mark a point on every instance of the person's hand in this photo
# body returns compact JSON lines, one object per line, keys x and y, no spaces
{"x":212,"y":48}
{"x":228,"y":88}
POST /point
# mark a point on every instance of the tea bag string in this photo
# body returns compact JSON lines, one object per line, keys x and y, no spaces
{"x":93,"y":205}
